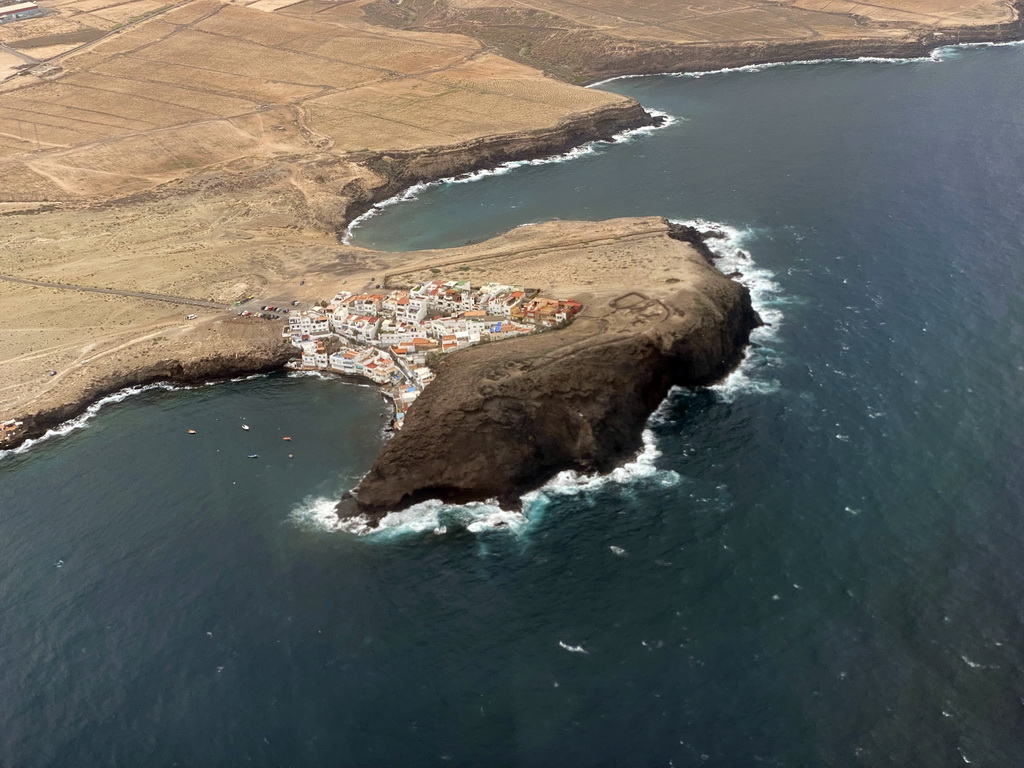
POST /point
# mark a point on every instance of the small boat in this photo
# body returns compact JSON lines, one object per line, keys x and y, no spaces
{"x":245,"y":426}
{"x":291,"y":455}
{"x":191,"y":431}
{"x":253,"y":456}
{"x":286,"y":438}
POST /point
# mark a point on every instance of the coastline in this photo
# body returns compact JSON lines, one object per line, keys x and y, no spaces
{"x":495,"y":167}
{"x":407,"y":172}
{"x":657,"y":314}
{"x":707,"y":58}
{"x":932,"y":53}
{"x":176,"y":373}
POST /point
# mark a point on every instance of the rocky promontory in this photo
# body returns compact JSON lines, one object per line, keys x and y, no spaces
{"x":503,"y":418}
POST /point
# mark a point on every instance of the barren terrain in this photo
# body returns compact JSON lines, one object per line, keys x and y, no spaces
{"x":583,"y":40}
{"x":212,"y":150}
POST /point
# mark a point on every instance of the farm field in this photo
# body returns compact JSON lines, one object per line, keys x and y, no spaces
{"x":208,"y":83}
{"x":210,"y":150}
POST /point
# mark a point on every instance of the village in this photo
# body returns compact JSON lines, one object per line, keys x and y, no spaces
{"x":393,"y":338}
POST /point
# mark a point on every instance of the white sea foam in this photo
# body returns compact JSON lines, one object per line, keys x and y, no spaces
{"x":573,"y":648}
{"x":642,"y":468}
{"x":938,"y":54}
{"x":590,"y":148}
{"x":767,"y":298}
{"x":82,"y":420}
{"x":317,"y":513}
{"x":436,"y":517}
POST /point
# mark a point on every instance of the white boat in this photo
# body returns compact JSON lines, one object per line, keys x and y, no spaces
{"x":245,"y":426}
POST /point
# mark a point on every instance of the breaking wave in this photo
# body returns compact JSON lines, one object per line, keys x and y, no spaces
{"x":938,"y":54}
{"x":82,"y":420}
{"x":590,"y":148}
{"x":436,"y":517}
{"x":316,"y":513}
{"x":753,"y":375}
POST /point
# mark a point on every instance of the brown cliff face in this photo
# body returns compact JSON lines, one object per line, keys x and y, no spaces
{"x":396,"y":171}
{"x":224,"y":355}
{"x":503,"y":418}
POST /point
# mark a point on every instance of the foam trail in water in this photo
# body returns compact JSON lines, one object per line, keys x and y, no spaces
{"x":572,"y":648}
{"x":590,"y":148}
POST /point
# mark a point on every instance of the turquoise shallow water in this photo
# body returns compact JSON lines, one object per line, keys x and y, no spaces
{"x":821,"y":567}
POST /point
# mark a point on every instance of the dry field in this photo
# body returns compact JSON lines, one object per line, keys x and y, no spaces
{"x":723,"y":21}
{"x":581,"y":40}
{"x":182,"y":154}
{"x":204,"y":149}
{"x":208,"y":83}
{"x":565,"y":259}
{"x":71,"y":23}
{"x":221,"y":249}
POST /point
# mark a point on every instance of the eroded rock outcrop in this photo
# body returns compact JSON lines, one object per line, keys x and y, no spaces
{"x":502,"y":418}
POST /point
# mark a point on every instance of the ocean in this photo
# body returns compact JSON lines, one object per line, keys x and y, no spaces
{"x":816,"y":563}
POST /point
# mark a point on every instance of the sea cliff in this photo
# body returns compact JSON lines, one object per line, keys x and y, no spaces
{"x":503,"y":418}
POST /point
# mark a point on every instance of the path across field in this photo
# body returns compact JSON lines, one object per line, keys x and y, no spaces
{"x":115,"y":292}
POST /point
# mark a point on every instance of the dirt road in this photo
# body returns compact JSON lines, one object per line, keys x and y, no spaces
{"x":115,"y":292}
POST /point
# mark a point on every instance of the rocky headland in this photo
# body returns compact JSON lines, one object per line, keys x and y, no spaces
{"x":503,"y":418}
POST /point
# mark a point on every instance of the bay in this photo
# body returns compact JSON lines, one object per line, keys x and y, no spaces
{"x":821,"y":567}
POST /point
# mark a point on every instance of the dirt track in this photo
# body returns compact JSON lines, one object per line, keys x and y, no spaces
{"x":115,"y":292}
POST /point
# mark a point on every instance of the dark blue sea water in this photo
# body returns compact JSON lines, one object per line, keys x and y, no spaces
{"x":823,"y":566}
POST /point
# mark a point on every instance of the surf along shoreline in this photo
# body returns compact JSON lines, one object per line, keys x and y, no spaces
{"x":407,"y":172}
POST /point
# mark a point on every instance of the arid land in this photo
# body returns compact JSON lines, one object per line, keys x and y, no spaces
{"x":212,"y":151}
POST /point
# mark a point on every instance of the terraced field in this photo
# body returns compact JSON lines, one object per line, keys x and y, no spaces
{"x":208,"y":83}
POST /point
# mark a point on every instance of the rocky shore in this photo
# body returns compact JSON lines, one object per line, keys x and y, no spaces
{"x":191,"y":365}
{"x":335,"y":199}
{"x":570,"y":48}
{"x":502,"y":419}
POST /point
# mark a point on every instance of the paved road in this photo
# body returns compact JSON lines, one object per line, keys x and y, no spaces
{"x":113,"y":292}
{"x":20,"y":54}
